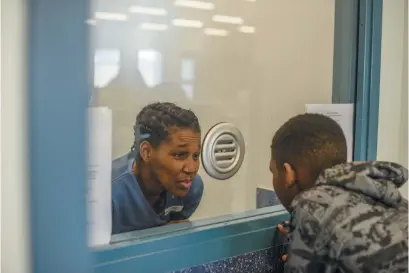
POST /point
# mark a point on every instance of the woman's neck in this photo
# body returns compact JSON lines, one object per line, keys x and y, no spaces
{"x":149,"y":187}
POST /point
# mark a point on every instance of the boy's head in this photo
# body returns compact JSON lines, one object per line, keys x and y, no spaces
{"x":301,"y":149}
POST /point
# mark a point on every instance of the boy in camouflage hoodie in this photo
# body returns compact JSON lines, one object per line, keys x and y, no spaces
{"x":345,"y":217}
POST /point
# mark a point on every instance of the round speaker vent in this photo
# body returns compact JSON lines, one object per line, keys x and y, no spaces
{"x":223,"y":151}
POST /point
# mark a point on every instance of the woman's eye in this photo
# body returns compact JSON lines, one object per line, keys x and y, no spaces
{"x":180,"y":155}
{"x":185,"y":155}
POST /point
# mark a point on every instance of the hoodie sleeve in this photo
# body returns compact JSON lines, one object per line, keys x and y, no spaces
{"x":307,"y":252}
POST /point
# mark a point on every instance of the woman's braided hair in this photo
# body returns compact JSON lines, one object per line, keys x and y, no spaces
{"x":155,"y":120}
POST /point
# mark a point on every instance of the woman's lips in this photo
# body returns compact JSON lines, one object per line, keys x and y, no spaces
{"x":186,"y":183}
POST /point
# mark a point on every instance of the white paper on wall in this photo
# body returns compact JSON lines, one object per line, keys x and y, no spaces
{"x":341,"y":113}
{"x":99,"y":217}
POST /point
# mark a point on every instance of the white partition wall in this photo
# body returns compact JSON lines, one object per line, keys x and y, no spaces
{"x":15,"y":252}
{"x":393,"y":102}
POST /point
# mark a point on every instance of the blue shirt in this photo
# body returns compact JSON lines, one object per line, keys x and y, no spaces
{"x":130,"y":209}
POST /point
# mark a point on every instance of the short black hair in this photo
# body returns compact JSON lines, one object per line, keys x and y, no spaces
{"x":154,"y":121}
{"x":314,"y":141}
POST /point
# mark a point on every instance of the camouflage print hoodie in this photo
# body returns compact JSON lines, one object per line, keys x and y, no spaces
{"x":353,"y":220}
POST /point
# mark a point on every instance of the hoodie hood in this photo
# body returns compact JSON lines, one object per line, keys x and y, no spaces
{"x":379,"y":180}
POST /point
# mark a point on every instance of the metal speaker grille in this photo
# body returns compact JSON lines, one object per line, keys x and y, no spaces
{"x":223,"y":151}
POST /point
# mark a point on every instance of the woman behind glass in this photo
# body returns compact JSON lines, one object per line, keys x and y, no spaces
{"x":157,"y":182}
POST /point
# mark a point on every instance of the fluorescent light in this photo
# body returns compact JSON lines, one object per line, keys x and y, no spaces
{"x":91,"y":22}
{"x":150,"y":26}
{"x":194,"y":4}
{"x":187,"y":23}
{"x":110,"y":16}
{"x":227,"y":19}
{"x":247,"y":29}
{"x":250,"y":0}
{"x":147,"y":10}
{"x":216,"y":32}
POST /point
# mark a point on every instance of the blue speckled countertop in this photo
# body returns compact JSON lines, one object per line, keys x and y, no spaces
{"x":254,"y":262}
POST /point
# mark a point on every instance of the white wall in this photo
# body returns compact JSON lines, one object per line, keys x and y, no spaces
{"x":393,"y":106}
{"x":14,"y":197}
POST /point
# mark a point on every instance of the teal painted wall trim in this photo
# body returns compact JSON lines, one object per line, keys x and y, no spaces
{"x":57,"y":97}
{"x":356,"y":76}
{"x":345,"y":51}
{"x":368,"y":79}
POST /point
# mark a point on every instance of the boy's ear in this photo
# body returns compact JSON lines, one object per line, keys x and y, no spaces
{"x":289,"y":175}
{"x":271,"y":167}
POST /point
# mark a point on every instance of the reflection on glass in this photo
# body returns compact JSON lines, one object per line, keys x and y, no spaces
{"x":188,"y":88}
{"x":252,"y":64}
{"x":187,"y":75}
{"x":106,"y":66}
{"x":147,"y":10}
{"x":91,"y":22}
{"x":216,"y":32}
{"x":228,"y":19}
{"x":194,"y":4}
{"x":188,"y":70}
{"x":150,"y":66}
{"x":110,"y":16}
{"x":187,"y":23}
{"x":151,"y":26}
{"x":247,"y":29}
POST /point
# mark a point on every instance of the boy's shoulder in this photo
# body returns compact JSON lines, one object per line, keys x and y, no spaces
{"x":319,"y":199}
{"x":333,"y":210}
{"x":316,"y":215}
{"x":326,"y":207}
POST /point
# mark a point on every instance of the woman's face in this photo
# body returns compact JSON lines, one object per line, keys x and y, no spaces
{"x":175,"y":162}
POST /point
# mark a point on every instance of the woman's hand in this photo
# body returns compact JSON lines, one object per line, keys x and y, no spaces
{"x":283,"y":229}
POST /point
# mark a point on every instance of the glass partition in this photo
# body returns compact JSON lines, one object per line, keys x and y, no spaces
{"x":242,"y":67}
